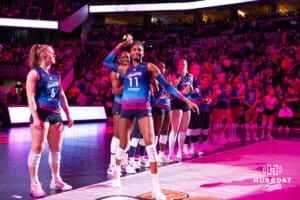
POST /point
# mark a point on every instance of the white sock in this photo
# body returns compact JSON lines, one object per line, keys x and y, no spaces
{"x":155,"y":185}
{"x":181,"y":138}
{"x":56,"y":176}
{"x":34,"y":180}
{"x":172,"y":140}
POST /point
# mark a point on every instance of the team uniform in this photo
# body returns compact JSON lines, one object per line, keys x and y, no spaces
{"x":136,"y":100}
{"x":235,"y":92}
{"x":235,"y":108}
{"x":223,"y":101}
{"x":117,"y":105}
{"x":116,"y":110}
{"x":47,"y":96}
{"x":177,"y":104}
{"x":269,"y":106}
{"x":193,"y":130}
{"x":221,"y":105}
{"x":161,"y":105}
{"x":268,"y":115}
{"x":250,"y":97}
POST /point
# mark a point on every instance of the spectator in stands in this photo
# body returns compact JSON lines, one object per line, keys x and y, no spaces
{"x":292,"y":98}
{"x":73,"y":94}
{"x":23,"y":95}
{"x":12,"y":96}
{"x":2,"y":93}
{"x":82,"y":99}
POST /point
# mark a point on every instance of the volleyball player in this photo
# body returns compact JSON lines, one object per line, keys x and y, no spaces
{"x":136,"y":104}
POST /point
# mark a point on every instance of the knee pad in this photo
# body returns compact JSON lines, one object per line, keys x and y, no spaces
{"x":163,"y":139}
{"x":152,"y":154}
{"x":120,"y":153}
{"x":134,"y":142}
{"x":54,"y":157}
{"x":34,"y":159}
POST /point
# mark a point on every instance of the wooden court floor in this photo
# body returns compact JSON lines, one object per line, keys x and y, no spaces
{"x":264,"y":170}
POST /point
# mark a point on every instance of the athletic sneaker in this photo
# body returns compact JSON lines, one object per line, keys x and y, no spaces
{"x":158,"y":195}
{"x":116,"y":180}
{"x":143,"y":162}
{"x":172,"y":158}
{"x":163,"y":159}
{"x":36,"y":190}
{"x":130,"y":169}
{"x":58,"y":184}
{"x":134,"y":164}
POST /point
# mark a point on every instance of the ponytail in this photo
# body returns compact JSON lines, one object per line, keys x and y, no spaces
{"x":35,"y":54}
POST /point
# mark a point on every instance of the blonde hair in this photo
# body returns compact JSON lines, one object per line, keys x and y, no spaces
{"x":35,"y":54}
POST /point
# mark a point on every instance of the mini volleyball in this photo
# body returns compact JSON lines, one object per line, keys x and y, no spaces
{"x":128,"y":38}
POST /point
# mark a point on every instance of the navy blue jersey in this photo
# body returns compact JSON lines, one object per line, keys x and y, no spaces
{"x":196,"y":97}
{"x":235,"y":92}
{"x":136,"y":93}
{"x":223,"y":96}
{"x":118,"y":98}
{"x":162,"y":99}
{"x":47,"y":90}
{"x":185,"y":81}
{"x":205,"y":94}
{"x":250,"y":95}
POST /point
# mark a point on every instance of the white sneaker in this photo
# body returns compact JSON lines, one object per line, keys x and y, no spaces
{"x":172,"y":158}
{"x":179,"y":155}
{"x":130,"y":169}
{"x":163,"y":159}
{"x":58,"y":184}
{"x":116,"y":180}
{"x":36,"y":190}
{"x":185,"y":148}
{"x":143,"y":163}
{"x":134,"y":164}
{"x":158,"y":195}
